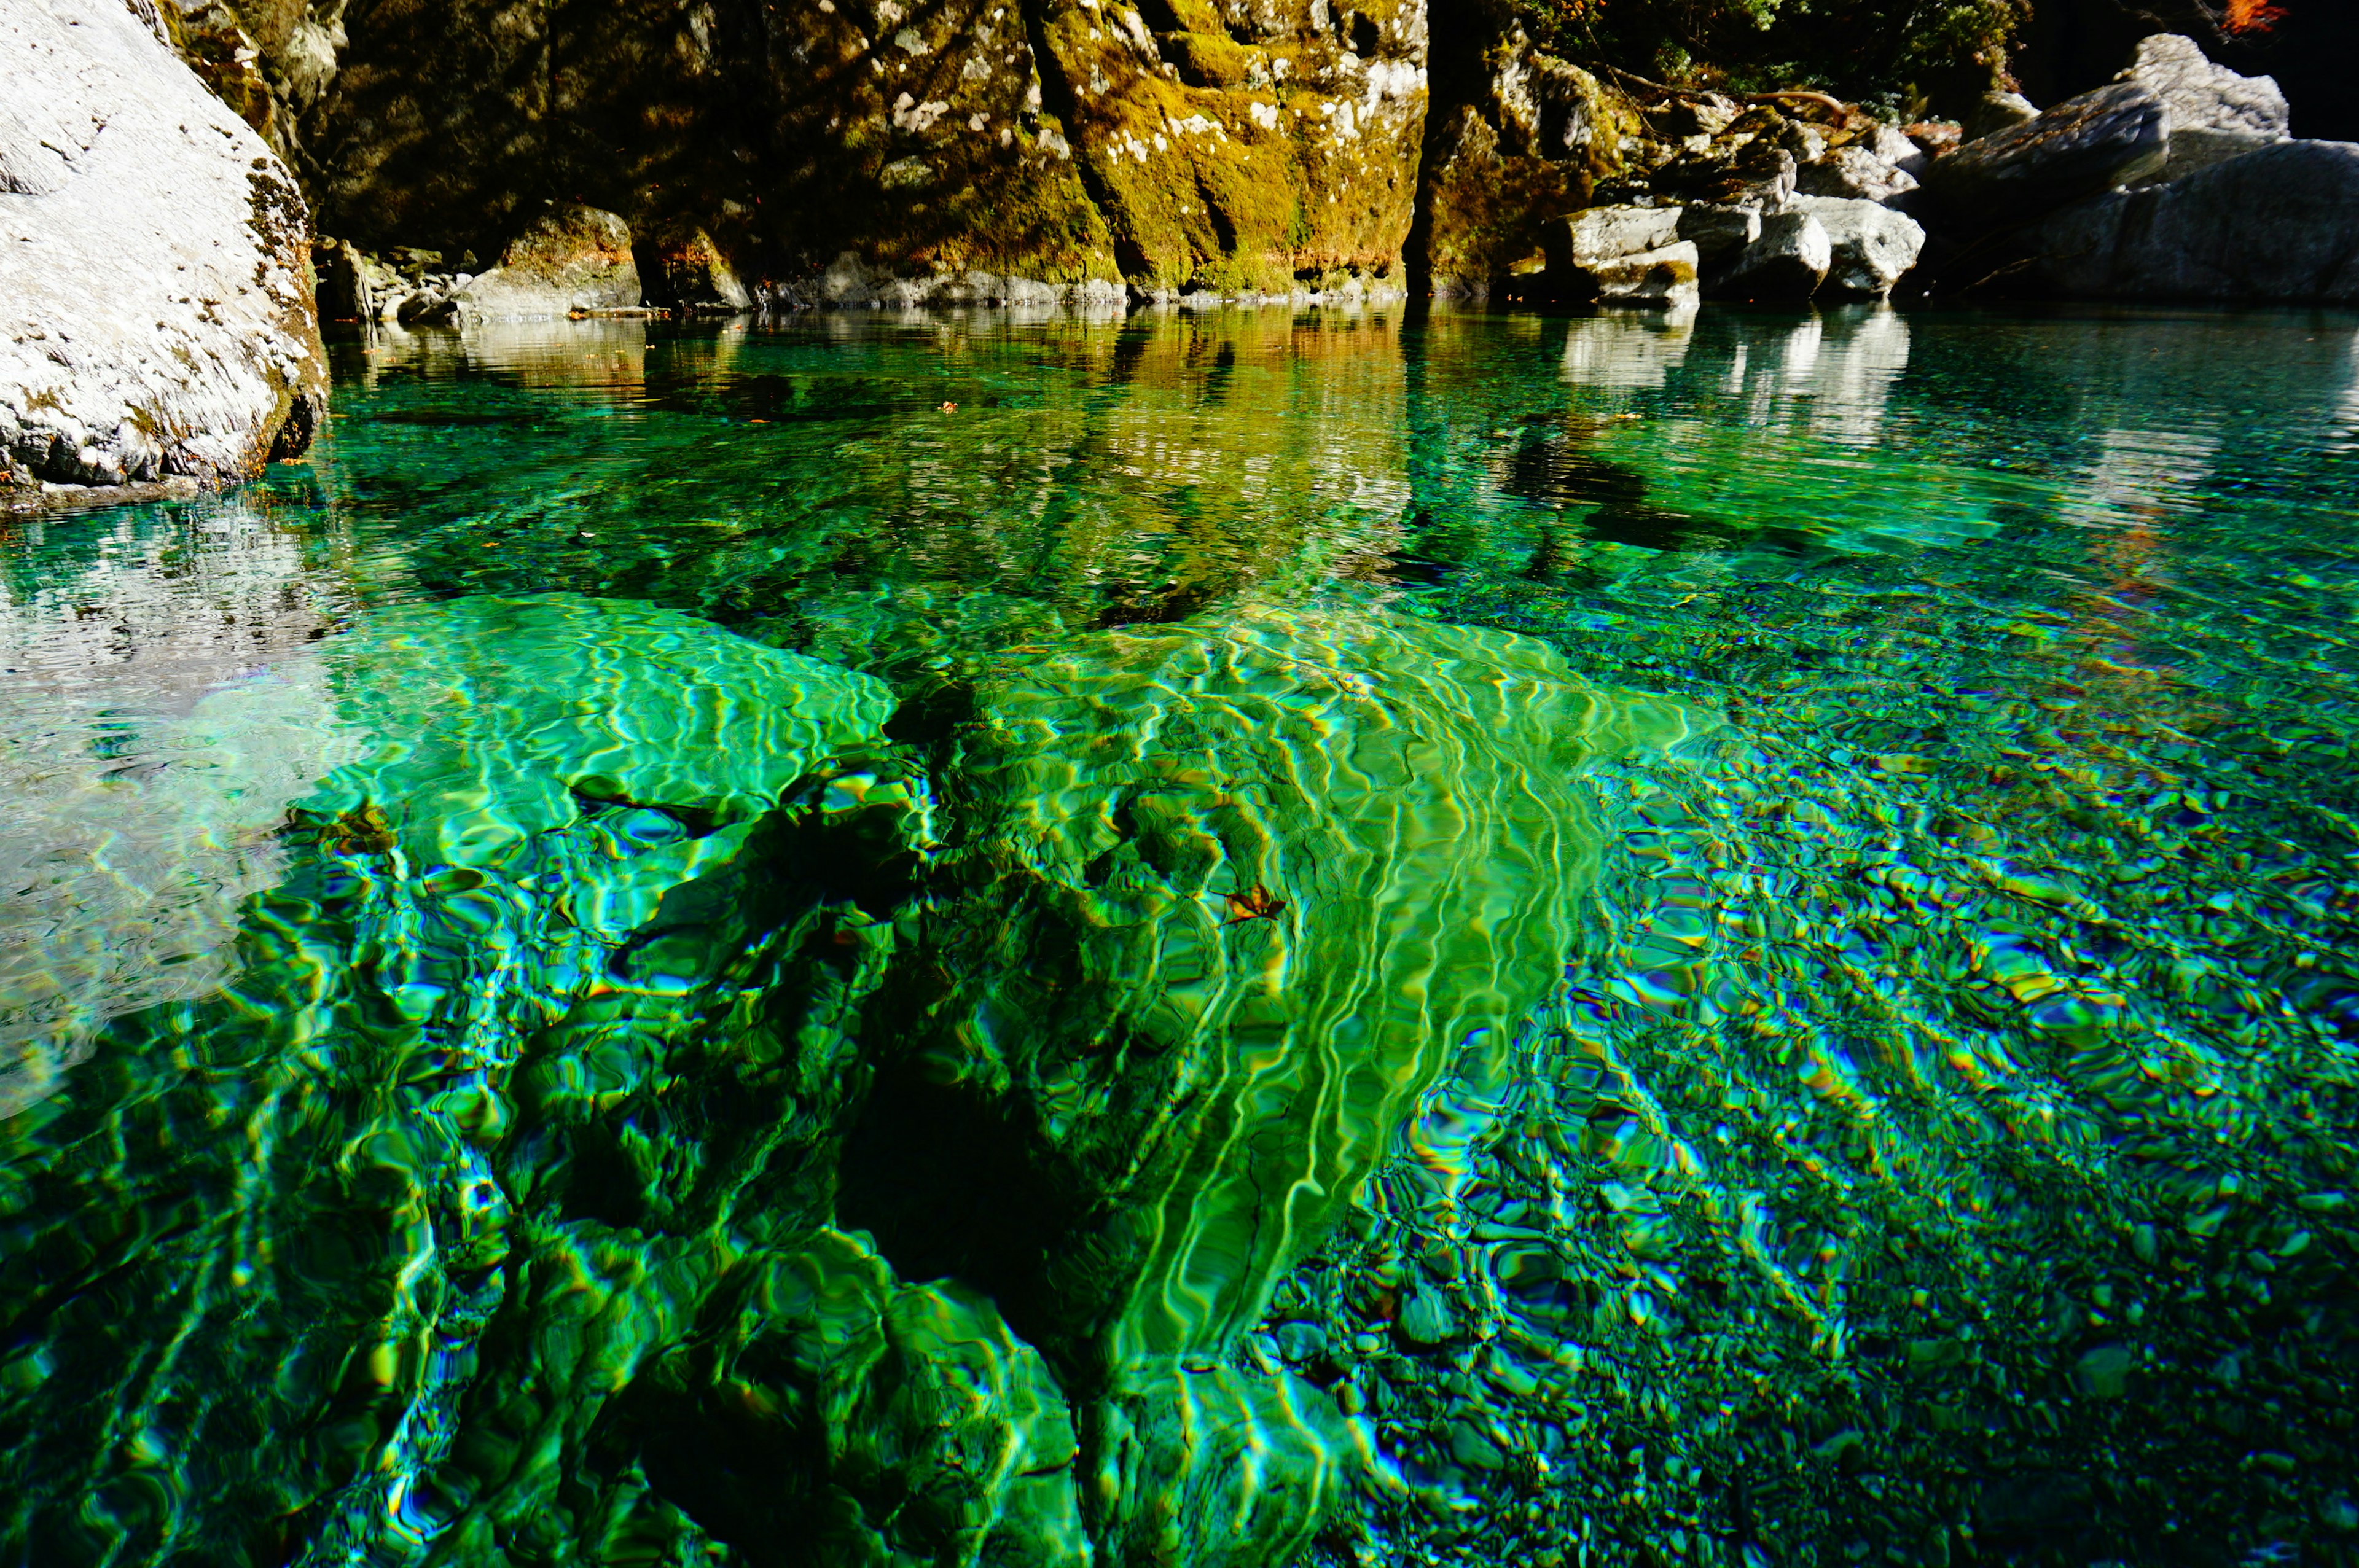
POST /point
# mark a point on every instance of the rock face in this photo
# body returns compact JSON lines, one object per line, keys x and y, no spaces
{"x":2106,"y":137}
{"x":2281,"y":223}
{"x":155,"y":314}
{"x":2198,"y":95}
{"x":1513,"y":140}
{"x":1177,"y":149}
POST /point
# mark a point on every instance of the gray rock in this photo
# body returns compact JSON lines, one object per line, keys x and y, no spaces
{"x":569,"y":259}
{"x":2279,"y":223}
{"x":1892,"y":145}
{"x":1660,"y":279}
{"x":2108,"y":136}
{"x":1853,"y":173}
{"x":1997,"y":112}
{"x":2198,"y":95}
{"x":1871,"y":246}
{"x":1602,"y":234}
{"x":1788,"y":262}
{"x":1718,"y":231}
{"x":2201,"y":149}
{"x":155,"y":312}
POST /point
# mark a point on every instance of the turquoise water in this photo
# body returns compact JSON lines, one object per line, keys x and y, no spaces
{"x":1237,"y":940}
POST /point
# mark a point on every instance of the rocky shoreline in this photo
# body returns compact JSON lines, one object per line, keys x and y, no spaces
{"x":1081,"y":159}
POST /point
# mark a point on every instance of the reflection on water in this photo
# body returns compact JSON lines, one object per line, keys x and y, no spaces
{"x":1940,"y":1142}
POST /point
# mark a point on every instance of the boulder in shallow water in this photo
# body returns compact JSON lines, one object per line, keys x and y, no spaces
{"x":1719,"y":231}
{"x":1870,"y":246}
{"x":2198,"y":95}
{"x":2108,"y":136}
{"x":571,"y":259}
{"x":2279,"y":223}
{"x":1788,"y":262}
{"x":155,"y":314}
{"x":691,"y":272}
{"x":1602,"y":234}
{"x":1228,"y":894}
{"x":1660,"y":279}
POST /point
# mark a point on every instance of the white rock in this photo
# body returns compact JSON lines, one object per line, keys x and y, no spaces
{"x":1788,"y":262}
{"x":155,"y":312}
{"x":1853,"y":173}
{"x":1601,"y":233}
{"x":2199,"y":95}
{"x":1660,"y":279}
{"x":1870,"y":246}
{"x":1718,"y":229}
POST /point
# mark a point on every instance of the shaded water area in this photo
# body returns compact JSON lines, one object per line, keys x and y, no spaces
{"x":1240,"y":939}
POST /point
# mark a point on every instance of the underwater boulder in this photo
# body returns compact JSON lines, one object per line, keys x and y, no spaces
{"x":497,"y":718}
{"x":1223,"y":897}
{"x":560,"y":846}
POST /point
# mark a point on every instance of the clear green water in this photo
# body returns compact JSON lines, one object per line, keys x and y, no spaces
{"x":1275,"y":940}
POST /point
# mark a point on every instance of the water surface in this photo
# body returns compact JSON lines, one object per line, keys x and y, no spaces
{"x":1925,"y":1131}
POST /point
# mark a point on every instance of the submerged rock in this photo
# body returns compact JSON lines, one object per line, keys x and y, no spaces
{"x":155,"y":312}
{"x":1229,"y":893}
{"x":499,"y":719}
{"x":553,"y":883}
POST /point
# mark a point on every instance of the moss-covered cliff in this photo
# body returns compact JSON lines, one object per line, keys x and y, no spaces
{"x":1235,"y":146}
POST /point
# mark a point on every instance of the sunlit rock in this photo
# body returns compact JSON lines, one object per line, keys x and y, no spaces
{"x":156,"y":315}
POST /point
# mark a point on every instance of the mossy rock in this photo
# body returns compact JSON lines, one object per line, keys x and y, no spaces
{"x":500,"y":719}
{"x":1228,"y":895}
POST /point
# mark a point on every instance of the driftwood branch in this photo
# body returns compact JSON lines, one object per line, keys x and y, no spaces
{"x":1842,"y":111}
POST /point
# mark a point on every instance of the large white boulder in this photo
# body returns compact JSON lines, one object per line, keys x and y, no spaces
{"x":155,"y":312}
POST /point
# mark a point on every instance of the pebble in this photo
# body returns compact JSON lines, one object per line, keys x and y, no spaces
{"x":1426,"y":1319}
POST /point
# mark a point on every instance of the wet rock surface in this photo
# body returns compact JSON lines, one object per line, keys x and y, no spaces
{"x":156,"y":316}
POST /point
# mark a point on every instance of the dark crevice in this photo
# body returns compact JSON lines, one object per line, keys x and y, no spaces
{"x":1056,"y":96}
